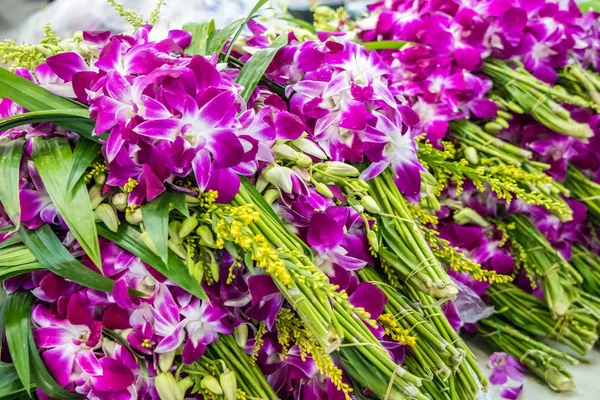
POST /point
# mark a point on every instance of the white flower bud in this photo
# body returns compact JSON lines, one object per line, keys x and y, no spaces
{"x":107,"y":214}
{"x":119,"y":201}
{"x":167,"y":387}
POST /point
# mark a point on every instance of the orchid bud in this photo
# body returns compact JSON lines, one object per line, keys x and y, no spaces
{"x":471,"y":155}
{"x":96,"y":197}
{"x":192,"y":200}
{"x":107,"y":214}
{"x":187,"y":226}
{"x":323,"y":190}
{"x":341,"y":169}
{"x":373,"y":242}
{"x":559,"y":110}
{"x":492,"y":127}
{"x":167,"y":387}
{"x":174,"y":228}
{"x":100,"y":179}
{"x":304,"y":161}
{"x":434,"y":204}
{"x":212,"y":384}
{"x":514,"y":107}
{"x":261,"y":183}
{"x":147,"y":240}
{"x":370,"y":204}
{"x":178,"y":249}
{"x":428,"y":178}
{"x":506,"y":115}
{"x":280,"y":177}
{"x":309,"y":147}
{"x":206,"y":236}
{"x":134,"y":218}
{"x":468,"y":215}
{"x":197,"y":270}
{"x":185,"y":383}
{"x":165,"y":360}
{"x":502,"y":122}
{"x":240,"y":333}
{"x":285,"y":152}
{"x":119,"y":201}
{"x":214,"y":270}
{"x":229,"y":385}
{"x":301,"y":173}
{"x":271,"y":195}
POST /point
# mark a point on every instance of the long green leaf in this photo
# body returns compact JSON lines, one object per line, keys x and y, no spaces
{"x":52,"y":255}
{"x":129,"y":239}
{"x":35,"y":98}
{"x":255,"y":68}
{"x":201,"y":33}
{"x":16,"y":270}
{"x":384,"y":45}
{"x":251,"y":15}
{"x":10,"y":161}
{"x":14,"y":239}
{"x":36,"y":117}
{"x":85,"y":152}
{"x":17,"y":324}
{"x":42,"y":378}
{"x":156,"y":221}
{"x":2,"y":307}
{"x":10,"y":384}
{"x":53,"y":159}
{"x":217,"y":41}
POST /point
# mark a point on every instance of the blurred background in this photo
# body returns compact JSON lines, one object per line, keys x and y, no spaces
{"x":23,"y":20}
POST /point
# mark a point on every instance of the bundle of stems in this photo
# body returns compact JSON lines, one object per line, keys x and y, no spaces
{"x":538,"y":98}
{"x":405,"y":247}
{"x":543,"y":361}
{"x":248,"y":377}
{"x":587,"y":263}
{"x":468,"y":377}
{"x":538,"y":257}
{"x":436,"y":354}
{"x":585,"y":190}
{"x":325,"y":312}
{"x":580,"y":81}
{"x":577,"y":329}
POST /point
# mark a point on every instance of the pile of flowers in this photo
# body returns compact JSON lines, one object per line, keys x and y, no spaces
{"x":268,"y":213}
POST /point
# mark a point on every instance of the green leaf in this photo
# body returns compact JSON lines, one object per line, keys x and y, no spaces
{"x":17,"y":324}
{"x":53,"y":256}
{"x":14,"y":239}
{"x":201,"y":32}
{"x":53,"y":159}
{"x":15,"y":255}
{"x":35,"y":98}
{"x":384,"y":45}
{"x":36,"y":117}
{"x":16,"y":270}
{"x":251,"y":15}
{"x":10,"y":384}
{"x":10,"y":161}
{"x":85,"y":152}
{"x":590,"y":5}
{"x":255,"y":68}
{"x":2,"y":307}
{"x":129,"y":239}
{"x":156,"y":221}
{"x":217,"y":41}
{"x":42,"y":378}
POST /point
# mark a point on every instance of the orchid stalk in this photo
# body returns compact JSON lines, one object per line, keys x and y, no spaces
{"x":576,"y":329}
{"x":412,"y":256}
{"x":557,"y":276}
{"x":586,"y":191}
{"x":540,"y":359}
{"x":587,"y":263}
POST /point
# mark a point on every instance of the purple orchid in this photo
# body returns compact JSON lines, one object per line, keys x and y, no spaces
{"x":503,"y":367}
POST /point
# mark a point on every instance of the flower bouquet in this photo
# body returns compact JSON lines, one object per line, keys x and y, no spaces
{"x":300,"y":211}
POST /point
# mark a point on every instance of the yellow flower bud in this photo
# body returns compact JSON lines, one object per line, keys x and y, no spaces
{"x":471,"y":155}
{"x":165,"y":360}
{"x":240,"y":333}
{"x":100,"y":179}
{"x":324,"y":190}
{"x":134,"y":218}
{"x":96,"y":197}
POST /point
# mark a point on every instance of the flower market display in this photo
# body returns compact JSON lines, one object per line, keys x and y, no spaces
{"x":284,"y":210}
